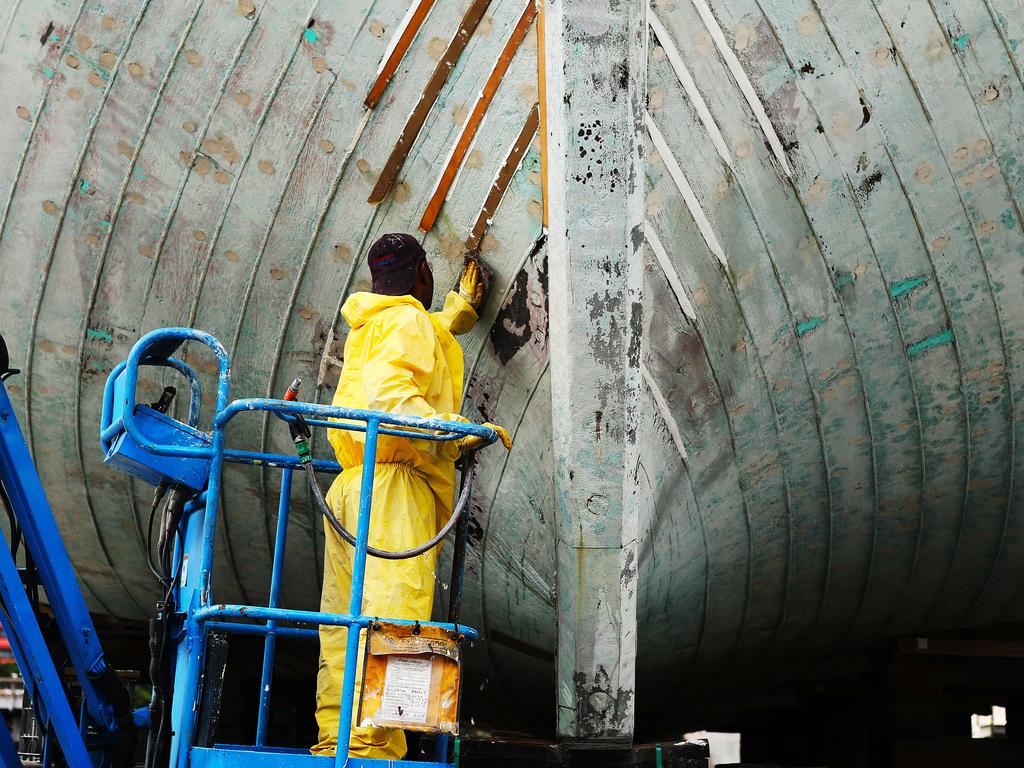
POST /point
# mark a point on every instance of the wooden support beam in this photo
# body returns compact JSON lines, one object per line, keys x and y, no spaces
{"x":596,"y":61}
{"x":476,"y":116}
{"x":503,"y":179}
{"x":393,"y":56}
{"x":414,"y":124}
{"x":542,"y":80}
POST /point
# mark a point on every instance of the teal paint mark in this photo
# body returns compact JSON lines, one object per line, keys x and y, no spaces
{"x":310,"y":35}
{"x":901,"y":287}
{"x":54,"y":38}
{"x":657,"y":756}
{"x":1014,"y":42}
{"x":84,"y":186}
{"x":99,"y":333}
{"x":924,"y":345}
{"x":48,"y":72}
{"x":138,"y":174}
{"x":808,"y":325}
{"x":105,"y":224}
{"x":961,"y":42}
{"x":1008,"y":219}
{"x":844,"y":279}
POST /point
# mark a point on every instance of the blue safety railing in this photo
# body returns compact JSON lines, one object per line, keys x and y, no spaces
{"x":127,"y":430}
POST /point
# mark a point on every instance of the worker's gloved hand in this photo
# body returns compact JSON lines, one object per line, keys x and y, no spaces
{"x":472,"y":442}
{"x":473,"y":284}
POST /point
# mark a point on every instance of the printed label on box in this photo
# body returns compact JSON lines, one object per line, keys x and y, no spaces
{"x":406,"y":690}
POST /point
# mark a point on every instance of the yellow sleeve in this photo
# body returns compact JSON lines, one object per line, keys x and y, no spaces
{"x":458,"y":315}
{"x":400,"y":366}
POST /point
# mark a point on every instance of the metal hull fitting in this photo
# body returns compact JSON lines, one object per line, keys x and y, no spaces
{"x":818,"y":205}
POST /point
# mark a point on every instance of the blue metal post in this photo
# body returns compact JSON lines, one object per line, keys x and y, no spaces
{"x":8,"y":751}
{"x":188,"y":598}
{"x":19,"y":621}
{"x":191,"y":651}
{"x":42,"y":538}
{"x":355,"y":605}
{"x":270,"y":643}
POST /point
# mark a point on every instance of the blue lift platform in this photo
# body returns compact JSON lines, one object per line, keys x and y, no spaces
{"x":149,"y":444}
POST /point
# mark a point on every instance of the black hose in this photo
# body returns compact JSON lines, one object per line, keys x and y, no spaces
{"x":325,"y":509}
{"x":158,"y":496}
{"x":12,"y":521}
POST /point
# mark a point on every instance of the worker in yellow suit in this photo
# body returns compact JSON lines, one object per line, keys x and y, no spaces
{"x":403,"y":359}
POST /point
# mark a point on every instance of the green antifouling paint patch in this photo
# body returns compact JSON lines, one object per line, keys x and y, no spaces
{"x":99,"y":333}
{"x":808,"y":325}
{"x":961,"y":42}
{"x":919,"y":347}
{"x":843,"y":279}
{"x":1008,"y":219}
{"x":84,"y":186}
{"x":310,"y":35}
{"x":901,"y":287}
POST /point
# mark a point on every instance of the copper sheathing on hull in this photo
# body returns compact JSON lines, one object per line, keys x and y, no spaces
{"x":419,"y":115}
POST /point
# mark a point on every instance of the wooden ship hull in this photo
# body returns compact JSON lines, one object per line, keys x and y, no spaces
{"x":820,"y":446}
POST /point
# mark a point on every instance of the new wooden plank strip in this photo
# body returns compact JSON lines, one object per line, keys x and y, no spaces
{"x":663,"y":407}
{"x":746,"y":88}
{"x":679,"y":178}
{"x":399,"y":46}
{"x":701,"y":106}
{"x":542,"y":91}
{"x":504,"y":178}
{"x":670,"y":272}
{"x":476,"y":117}
{"x":419,"y":114}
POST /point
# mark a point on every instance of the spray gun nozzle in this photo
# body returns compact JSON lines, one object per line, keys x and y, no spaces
{"x":293,"y":390}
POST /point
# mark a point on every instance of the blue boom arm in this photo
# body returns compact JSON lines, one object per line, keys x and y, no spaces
{"x":105,"y":698}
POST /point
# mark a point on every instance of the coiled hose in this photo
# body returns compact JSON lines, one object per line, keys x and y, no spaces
{"x":460,"y":507}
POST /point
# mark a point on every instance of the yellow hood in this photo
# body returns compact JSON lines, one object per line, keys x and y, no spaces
{"x":360,"y":308}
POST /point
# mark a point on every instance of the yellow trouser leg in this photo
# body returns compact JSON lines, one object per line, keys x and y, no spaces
{"x":404,"y":516}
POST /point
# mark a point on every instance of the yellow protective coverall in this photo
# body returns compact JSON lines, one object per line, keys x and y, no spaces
{"x":401,"y":359}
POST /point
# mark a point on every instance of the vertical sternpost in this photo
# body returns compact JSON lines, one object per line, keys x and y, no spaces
{"x":595,"y":53}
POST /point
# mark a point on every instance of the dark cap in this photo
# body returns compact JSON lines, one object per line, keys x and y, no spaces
{"x":394,"y":261}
